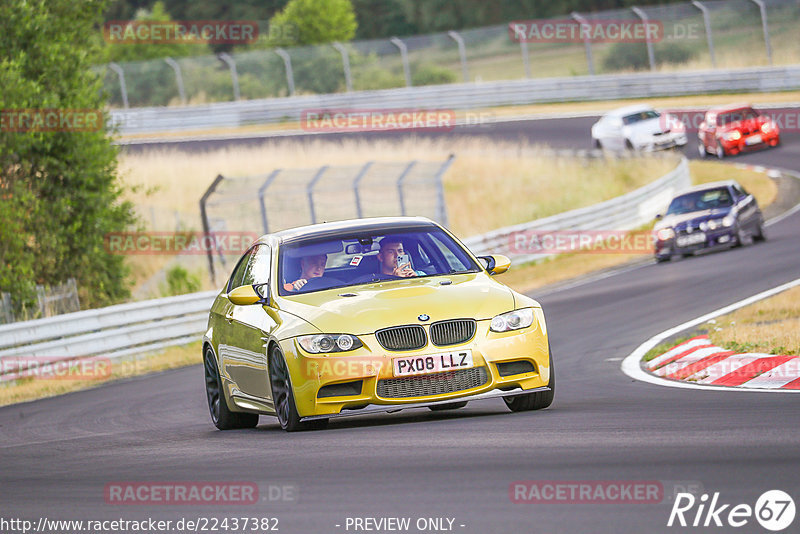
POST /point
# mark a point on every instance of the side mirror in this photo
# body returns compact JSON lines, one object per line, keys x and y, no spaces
{"x":248,"y":295}
{"x":496,"y":263}
{"x":659,"y":216}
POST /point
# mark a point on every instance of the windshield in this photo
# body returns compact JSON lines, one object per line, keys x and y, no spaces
{"x":700,"y":200}
{"x":351,"y":259}
{"x":640,"y":116}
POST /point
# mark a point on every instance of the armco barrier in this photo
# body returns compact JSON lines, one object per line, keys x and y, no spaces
{"x":621,"y":213}
{"x":128,"y":329}
{"x":462,"y":96}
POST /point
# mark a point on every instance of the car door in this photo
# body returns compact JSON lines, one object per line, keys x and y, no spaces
{"x":241,"y":350}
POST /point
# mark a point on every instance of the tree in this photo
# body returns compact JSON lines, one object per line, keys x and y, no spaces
{"x":313,"y":22}
{"x":59,"y":194}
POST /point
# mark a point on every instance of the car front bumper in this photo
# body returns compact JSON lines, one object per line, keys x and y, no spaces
{"x":712,"y":239}
{"x":367,"y":371}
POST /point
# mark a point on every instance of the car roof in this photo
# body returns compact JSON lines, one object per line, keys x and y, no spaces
{"x":628,"y":110}
{"x":708,"y":185}
{"x":376,"y":224}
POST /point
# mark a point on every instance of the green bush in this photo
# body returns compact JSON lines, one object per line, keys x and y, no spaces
{"x":633,"y":56}
{"x":179,"y":281}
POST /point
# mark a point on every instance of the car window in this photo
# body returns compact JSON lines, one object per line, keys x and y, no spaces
{"x":700,"y":200}
{"x":640,"y":116}
{"x":257,"y":271}
{"x":355,"y":258}
{"x":253,"y":268}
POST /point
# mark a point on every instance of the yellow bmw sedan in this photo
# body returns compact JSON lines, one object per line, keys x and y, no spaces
{"x":369,"y":315}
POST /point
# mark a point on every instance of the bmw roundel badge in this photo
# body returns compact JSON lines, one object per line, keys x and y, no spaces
{"x":423,"y":317}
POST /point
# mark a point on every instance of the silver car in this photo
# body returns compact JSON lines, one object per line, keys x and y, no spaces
{"x":638,"y":127}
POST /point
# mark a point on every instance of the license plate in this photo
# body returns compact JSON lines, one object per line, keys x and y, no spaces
{"x":753,"y":140}
{"x":691,"y":239}
{"x":432,"y":363}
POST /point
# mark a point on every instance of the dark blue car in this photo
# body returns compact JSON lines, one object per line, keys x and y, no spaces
{"x":719,"y":214}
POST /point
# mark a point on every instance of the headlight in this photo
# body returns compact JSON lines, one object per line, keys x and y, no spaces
{"x":665,"y":234}
{"x":767,"y":127}
{"x":323,"y":343}
{"x":712,"y":224}
{"x":514,"y":320}
{"x":733,"y":136}
{"x":727,"y":220}
{"x":705,"y":225}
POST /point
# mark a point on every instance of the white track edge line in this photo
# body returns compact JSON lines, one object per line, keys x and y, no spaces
{"x":632,"y":368}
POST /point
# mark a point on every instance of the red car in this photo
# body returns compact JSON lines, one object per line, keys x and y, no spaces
{"x":729,"y":130}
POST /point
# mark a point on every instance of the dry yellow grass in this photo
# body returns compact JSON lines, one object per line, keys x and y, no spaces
{"x":30,"y":388}
{"x":771,"y":325}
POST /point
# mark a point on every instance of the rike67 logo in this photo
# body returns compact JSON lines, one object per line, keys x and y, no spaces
{"x":774,"y":510}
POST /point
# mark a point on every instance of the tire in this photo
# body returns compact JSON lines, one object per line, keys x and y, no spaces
{"x":701,"y":148}
{"x":448,"y":406}
{"x":663,"y":259}
{"x":628,"y":144}
{"x":283,"y":396}
{"x":742,"y":239}
{"x":720,"y":151}
{"x":222,"y":417}
{"x":534,"y":401}
{"x":761,"y":232}
{"x":597,"y":145}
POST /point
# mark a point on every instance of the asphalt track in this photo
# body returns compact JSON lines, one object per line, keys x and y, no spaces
{"x":57,"y":455}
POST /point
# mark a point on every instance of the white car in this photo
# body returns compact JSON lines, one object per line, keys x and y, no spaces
{"x":638,"y":127}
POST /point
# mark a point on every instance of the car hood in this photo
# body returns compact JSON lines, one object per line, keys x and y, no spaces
{"x":399,"y":302}
{"x":671,"y":221}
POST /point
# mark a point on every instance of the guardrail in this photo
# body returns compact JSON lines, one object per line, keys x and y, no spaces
{"x":621,"y":213}
{"x":155,"y":120}
{"x":124,"y":330}
{"x":113,"y":332}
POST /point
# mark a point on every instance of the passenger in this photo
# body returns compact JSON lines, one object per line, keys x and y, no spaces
{"x":311,"y":267}
{"x":390,"y":249}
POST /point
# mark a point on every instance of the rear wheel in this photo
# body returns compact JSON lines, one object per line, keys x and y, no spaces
{"x":222,"y":417}
{"x":283,"y":396}
{"x":448,"y":406}
{"x":534,"y":401}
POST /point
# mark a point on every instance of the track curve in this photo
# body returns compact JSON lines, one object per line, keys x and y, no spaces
{"x":58,"y":454}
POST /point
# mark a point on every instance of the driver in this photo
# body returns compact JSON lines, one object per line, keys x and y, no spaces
{"x":390,"y":249}
{"x":310,"y":267}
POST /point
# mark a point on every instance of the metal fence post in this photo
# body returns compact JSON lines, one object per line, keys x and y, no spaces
{"x":709,"y":38}
{"x":462,"y":52}
{"x":523,"y":46}
{"x":442,"y":208}
{"x":764,"y":27}
{"x":356,"y":183}
{"x":228,"y":60}
{"x":206,"y":226}
{"x":310,"y":191}
{"x":178,"y":77}
{"x":400,"y":186}
{"x":287,"y":61}
{"x":650,"y":54}
{"x":587,"y":43}
{"x":123,"y":89}
{"x":348,"y":80}
{"x":404,"y":57}
{"x":261,"y":191}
